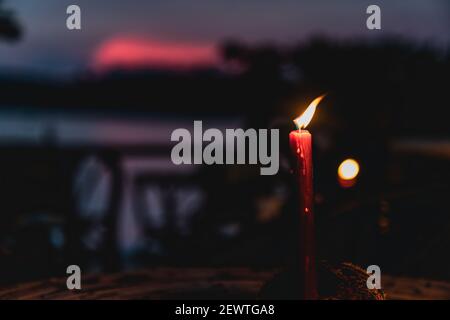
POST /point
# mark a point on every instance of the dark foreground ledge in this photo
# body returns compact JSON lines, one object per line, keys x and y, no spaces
{"x":195,"y":283}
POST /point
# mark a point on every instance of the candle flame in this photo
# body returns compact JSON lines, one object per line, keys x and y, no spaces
{"x":306,"y":117}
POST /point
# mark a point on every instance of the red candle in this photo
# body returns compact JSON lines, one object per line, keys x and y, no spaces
{"x":300,"y":142}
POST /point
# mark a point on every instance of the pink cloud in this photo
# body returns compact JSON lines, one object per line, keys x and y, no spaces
{"x":135,"y":53}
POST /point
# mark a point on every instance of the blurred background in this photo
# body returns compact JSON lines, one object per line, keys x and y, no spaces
{"x":86,"y":117}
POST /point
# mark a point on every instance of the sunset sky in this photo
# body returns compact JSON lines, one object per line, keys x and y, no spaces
{"x":160,"y":31}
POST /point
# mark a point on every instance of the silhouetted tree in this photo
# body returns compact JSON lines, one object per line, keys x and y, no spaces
{"x":9,"y":27}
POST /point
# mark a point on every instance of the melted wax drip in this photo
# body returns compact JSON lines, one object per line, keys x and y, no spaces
{"x":302,"y":156}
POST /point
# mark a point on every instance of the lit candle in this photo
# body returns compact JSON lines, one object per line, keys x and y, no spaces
{"x":300,"y":142}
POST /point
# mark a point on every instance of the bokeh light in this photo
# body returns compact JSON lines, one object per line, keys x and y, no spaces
{"x":348,"y":169}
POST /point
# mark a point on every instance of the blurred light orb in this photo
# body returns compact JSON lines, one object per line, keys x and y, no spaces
{"x":348,"y":169}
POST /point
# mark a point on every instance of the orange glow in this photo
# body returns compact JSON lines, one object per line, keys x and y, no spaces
{"x":348,"y":169}
{"x":133,"y":53}
{"x":306,"y":117}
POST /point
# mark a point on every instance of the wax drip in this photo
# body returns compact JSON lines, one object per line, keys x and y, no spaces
{"x":302,"y":156}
